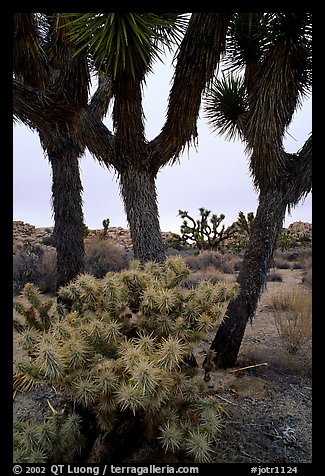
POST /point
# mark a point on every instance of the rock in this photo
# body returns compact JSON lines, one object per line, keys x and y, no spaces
{"x":300,"y":229}
{"x":24,"y":233}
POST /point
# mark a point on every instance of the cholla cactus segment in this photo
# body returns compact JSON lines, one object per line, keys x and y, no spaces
{"x":198,"y":445}
{"x":147,"y":377}
{"x":105,"y":375}
{"x":50,"y":361}
{"x":130,"y":397}
{"x":86,"y":391}
{"x":29,"y":340}
{"x":209,"y":410}
{"x":38,"y":442}
{"x":85,"y":292}
{"x":176,"y":271}
{"x":170,"y":354}
{"x":146,"y":343}
{"x":172,"y":436}
{"x":130,"y":355}
{"x":36,"y":315}
{"x":186,"y":389}
{"x":76,"y":353}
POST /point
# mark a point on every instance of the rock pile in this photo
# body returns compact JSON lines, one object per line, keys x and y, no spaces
{"x":24,"y":234}
{"x":300,"y":229}
{"x":119,"y":235}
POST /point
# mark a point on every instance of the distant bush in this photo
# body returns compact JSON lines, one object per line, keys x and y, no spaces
{"x":36,"y":264}
{"x":226,"y":263}
{"x":204,"y":260}
{"x":103,"y":255}
{"x":281,"y":263}
{"x":307,"y":277}
{"x":30,"y":266}
{"x":273,"y":276}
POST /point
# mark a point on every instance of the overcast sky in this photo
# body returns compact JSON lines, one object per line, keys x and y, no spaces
{"x":215,"y":176}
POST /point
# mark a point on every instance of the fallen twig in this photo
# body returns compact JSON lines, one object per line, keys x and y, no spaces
{"x":227,"y":401}
{"x":247,"y":367}
{"x":243,"y":453}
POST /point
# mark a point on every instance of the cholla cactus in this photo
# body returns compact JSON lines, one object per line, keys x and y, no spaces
{"x":60,"y":434}
{"x":123,"y":349}
{"x":36,"y":312}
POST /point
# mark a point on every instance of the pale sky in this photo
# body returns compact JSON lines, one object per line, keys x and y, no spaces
{"x":215,"y":176}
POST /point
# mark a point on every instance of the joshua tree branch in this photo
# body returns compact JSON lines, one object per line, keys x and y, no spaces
{"x":197,"y":60}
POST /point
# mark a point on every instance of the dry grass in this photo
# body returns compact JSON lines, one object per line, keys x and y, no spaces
{"x":307,"y":278}
{"x":293,"y":318}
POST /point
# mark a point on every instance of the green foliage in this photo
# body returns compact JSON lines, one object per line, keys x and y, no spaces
{"x":123,"y":349}
{"x":124,"y":42}
{"x":287,"y":241}
{"x":86,"y":231}
{"x":242,"y":230}
{"x":206,"y":234}
{"x":106,"y":223}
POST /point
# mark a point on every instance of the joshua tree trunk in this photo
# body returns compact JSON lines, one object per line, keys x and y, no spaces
{"x":252,"y":276}
{"x":63,"y":154}
{"x":140,"y":201}
{"x":273,"y":202}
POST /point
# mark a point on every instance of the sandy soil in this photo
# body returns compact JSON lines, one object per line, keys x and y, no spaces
{"x":267,"y":408}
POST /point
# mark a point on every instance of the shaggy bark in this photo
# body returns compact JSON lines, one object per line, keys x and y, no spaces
{"x":64,"y":154}
{"x":140,"y":200}
{"x":251,"y":278}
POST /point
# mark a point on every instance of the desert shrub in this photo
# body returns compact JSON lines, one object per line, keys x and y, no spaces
{"x":26,"y":265}
{"x":103,"y":255}
{"x":273,"y":276}
{"x":210,"y":273}
{"x":34,"y":264}
{"x":47,"y":272}
{"x":205,"y":259}
{"x":292,"y":314}
{"x":281,"y":263}
{"x":294,"y":259}
{"x":223,"y":262}
{"x":122,"y":353}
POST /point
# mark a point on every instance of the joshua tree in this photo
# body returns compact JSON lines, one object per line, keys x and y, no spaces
{"x":275,"y":51}
{"x":50,"y":96}
{"x":50,"y":90}
{"x":137,"y":161}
